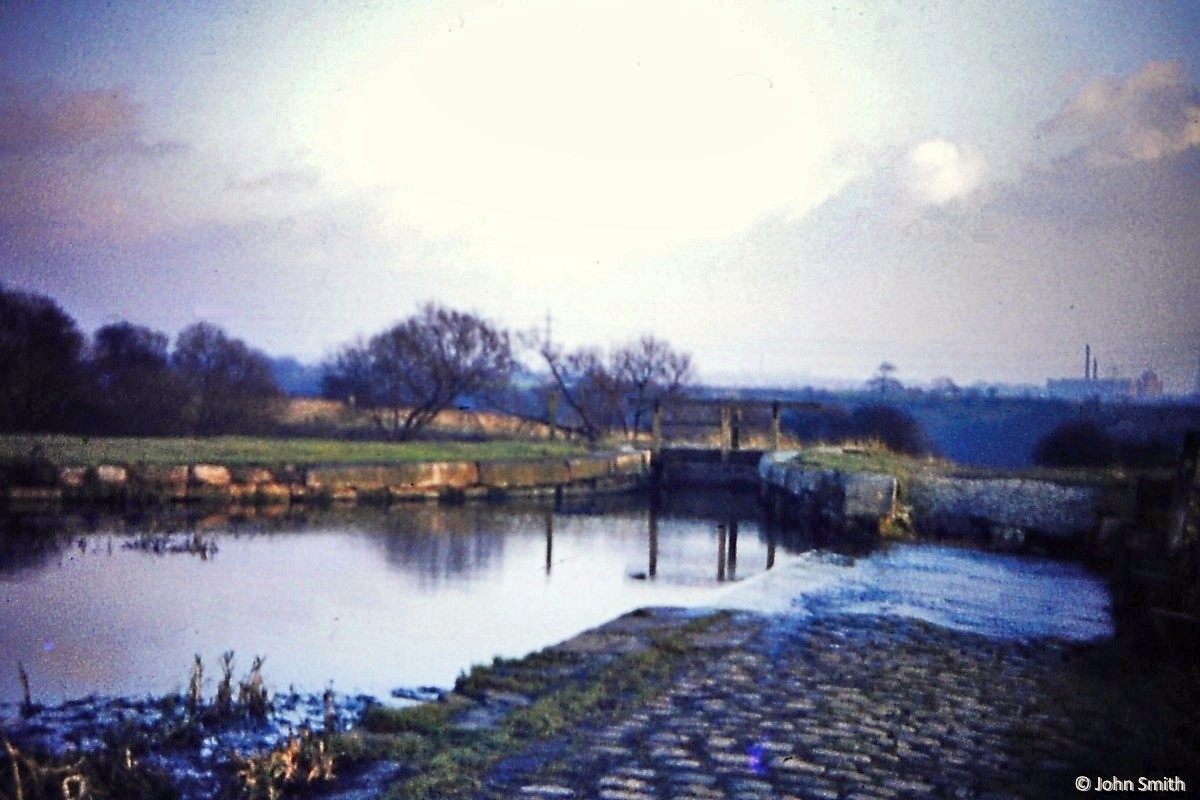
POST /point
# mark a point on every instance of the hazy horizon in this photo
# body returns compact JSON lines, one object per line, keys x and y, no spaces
{"x":787,"y":192}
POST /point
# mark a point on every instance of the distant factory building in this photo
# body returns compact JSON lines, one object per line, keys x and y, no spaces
{"x":1091,"y":387}
{"x":1108,"y":389}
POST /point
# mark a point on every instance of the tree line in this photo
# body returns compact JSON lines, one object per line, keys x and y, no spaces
{"x":127,"y":379}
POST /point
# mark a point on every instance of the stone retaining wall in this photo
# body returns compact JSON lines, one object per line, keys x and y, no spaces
{"x":1004,"y":508}
{"x":826,"y":497}
{"x":998,"y":509}
{"x":378,"y":483}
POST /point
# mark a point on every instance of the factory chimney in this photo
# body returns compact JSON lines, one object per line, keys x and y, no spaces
{"x":1087,"y":361}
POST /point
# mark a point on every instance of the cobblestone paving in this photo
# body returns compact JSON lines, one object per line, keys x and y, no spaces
{"x":866,"y":708}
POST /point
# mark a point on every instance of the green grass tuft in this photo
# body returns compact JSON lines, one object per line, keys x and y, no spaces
{"x":427,"y":719}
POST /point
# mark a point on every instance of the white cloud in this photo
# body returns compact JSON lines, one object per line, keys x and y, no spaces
{"x":938,"y":172}
{"x":1150,"y":115}
{"x":1006,"y":286}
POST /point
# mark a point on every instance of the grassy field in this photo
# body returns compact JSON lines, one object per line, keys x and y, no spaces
{"x":242,"y":450}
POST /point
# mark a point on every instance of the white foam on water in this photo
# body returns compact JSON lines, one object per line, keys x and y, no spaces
{"x":1000,"y":595}
{"x":782,"y":590}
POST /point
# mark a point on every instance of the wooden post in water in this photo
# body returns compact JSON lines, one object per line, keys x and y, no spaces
{"x":721,"y":553}
{"x":732,"y":559}
{"x":725,"y":433}
{"x":775,"y":425}
{"x":653,"y":542}
{"x":735,"y":431}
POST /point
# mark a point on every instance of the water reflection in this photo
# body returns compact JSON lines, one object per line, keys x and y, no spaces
{"x":436,"y":547}
{"x":373,"y":599}
{"x":367,"y":598}
{"x":26,"y":545}
{"x":436,"y":543}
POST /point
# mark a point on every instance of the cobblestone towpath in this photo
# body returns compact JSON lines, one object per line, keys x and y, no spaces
{"x":867,"y":707}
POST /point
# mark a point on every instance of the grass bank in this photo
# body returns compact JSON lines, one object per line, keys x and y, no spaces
{"x":91,"y":451}
{"x":873,"y":458}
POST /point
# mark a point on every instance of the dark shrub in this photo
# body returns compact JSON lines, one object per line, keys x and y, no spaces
{"x":1146,"y":454}
{"x":231,"y":386}
{"x":898,"y":431}
{"x":890,"y":426}
{"x":137,"y":392}
{"x":1079,"y":443}
{"x":825,"y":424}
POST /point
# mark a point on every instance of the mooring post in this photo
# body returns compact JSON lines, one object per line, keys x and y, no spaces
{"x":735,"y":432}
{"x":775,"y":425}
{"x":732,"y":559}
{"x":725,"y":434}
{"x":653,"y":542}
{"x":721,"y":553}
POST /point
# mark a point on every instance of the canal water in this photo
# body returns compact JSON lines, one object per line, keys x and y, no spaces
{"x":375,"y":601}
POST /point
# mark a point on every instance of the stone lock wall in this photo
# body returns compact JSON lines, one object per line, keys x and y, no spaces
{"x":1004,"y":510}
{"x":706,"y":468}
{"x":379,"y":483}
{"x":828,"y":498}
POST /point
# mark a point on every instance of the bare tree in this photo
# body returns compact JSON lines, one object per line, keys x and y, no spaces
{"x":581,"y":380}
{"x":617,"y":390}
{"x":646,"y":371}
{"x":423,"y":365}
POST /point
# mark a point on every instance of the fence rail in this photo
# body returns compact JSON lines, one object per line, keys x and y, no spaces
{"x":730,"y":416}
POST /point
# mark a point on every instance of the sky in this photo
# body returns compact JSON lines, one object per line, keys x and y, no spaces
{"x":790,"y":192}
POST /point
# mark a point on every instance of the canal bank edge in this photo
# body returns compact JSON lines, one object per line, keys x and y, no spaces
{"x":1004,"y":510}
{"x":446,"y":481}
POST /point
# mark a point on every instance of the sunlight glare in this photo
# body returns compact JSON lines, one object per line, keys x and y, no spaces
{"x":611,"y":126}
